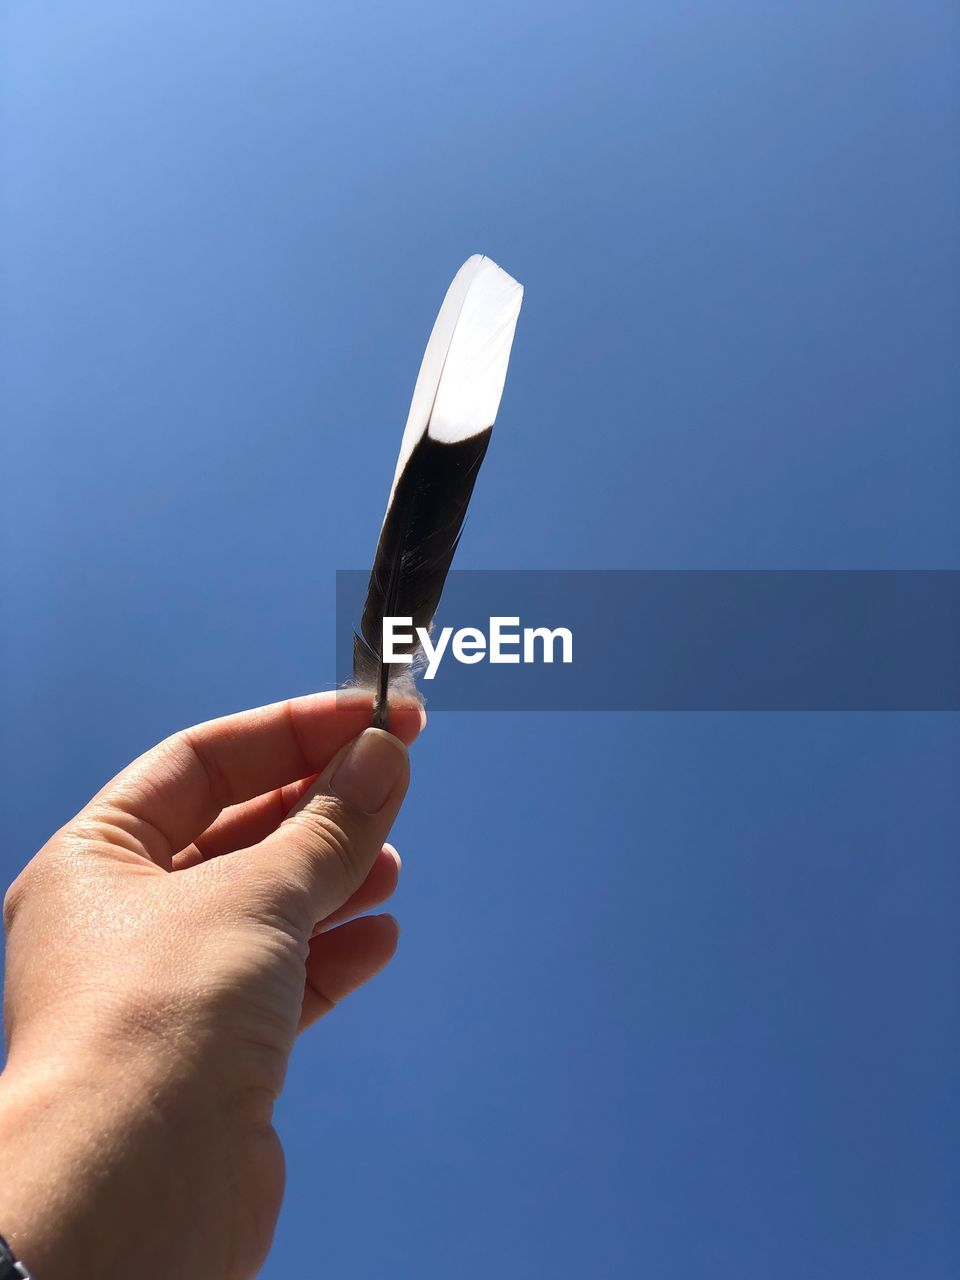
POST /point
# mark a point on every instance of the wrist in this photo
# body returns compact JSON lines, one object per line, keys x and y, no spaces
{"x":79,"y":1152}
{"x":44,"y":1147}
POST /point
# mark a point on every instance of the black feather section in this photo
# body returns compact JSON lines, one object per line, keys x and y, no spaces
{"x":417,"y":543}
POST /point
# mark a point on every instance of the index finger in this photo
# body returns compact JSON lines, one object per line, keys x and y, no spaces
{"x":173,"y":792}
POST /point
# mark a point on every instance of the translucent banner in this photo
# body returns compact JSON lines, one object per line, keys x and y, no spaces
{"x":690,"y":640}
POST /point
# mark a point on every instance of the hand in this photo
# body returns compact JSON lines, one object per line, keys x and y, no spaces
{"x":163,"y":950}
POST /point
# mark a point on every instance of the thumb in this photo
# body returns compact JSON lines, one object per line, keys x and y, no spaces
{"x":321,"y":853}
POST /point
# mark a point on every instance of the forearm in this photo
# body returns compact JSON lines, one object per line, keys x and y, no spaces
{"x":89,"y":1171}
{"x":53,"y":1150}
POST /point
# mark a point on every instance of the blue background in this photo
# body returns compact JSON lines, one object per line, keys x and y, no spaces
{"x":677,"y":994}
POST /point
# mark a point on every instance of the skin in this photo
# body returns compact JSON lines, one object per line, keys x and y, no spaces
{"x":164,"y":949}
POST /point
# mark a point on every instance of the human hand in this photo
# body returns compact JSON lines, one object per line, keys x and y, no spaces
{"x":163,"y":950}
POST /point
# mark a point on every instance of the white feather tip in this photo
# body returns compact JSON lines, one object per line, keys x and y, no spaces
{"x":464,"y":367}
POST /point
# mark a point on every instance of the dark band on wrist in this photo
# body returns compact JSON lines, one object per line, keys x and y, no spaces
{"x":10,"y":1268}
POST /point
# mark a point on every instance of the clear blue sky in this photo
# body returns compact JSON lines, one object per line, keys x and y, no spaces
{"x":677,"y":994}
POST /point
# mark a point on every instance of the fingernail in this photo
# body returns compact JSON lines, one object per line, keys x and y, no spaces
{"x":369,"y":771}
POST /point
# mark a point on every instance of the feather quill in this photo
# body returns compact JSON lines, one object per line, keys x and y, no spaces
{"x":452,"y":413}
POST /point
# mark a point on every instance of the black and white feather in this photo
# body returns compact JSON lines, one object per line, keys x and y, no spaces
{"x":451,"y":416}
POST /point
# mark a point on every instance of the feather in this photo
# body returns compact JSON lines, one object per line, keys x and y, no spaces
{"x":454,"y":405}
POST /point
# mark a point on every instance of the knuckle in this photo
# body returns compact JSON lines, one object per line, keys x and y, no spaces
{"x":25,"y":886}
{"x":324,"y":840}
{"x":49,"y":872}
{"x":13,"y":900}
